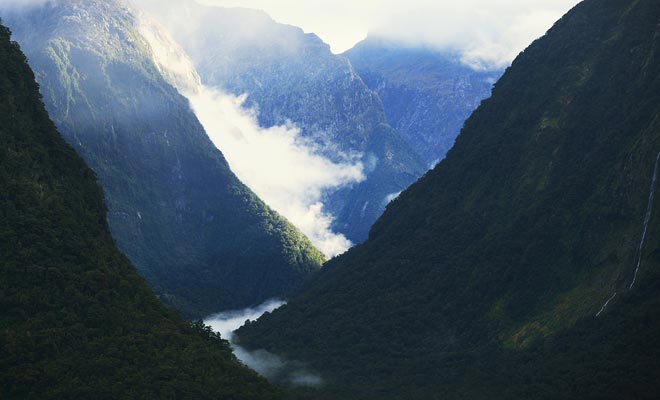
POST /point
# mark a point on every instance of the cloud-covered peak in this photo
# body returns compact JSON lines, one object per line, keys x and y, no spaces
{"x":490,"y":33}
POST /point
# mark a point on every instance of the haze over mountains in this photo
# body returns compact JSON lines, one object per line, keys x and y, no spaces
{"x":486,"y":32}
{"x":112,"y":75}
{"x":268,"y":159}
{"x":292,"y":77}
{"x":299,"y":89}
{"x":525,"y":264}
{"x":233,"y":152}
{"x":427,"y":94}
{"x":200,"y":237}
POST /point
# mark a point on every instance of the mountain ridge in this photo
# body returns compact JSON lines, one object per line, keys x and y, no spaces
{"x":484,"y":278}
{"x":289,"y":76}
{"x":201,"y":238}
{"x":77,"y":320}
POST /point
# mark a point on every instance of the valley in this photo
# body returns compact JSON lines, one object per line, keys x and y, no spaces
{"x":219,"y":199}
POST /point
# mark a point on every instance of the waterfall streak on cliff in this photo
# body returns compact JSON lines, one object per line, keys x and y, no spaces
{"x":605,"y":305}
{"x":647,"y":219}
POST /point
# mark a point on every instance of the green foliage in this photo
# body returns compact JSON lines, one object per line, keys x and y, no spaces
{"x":483,"y":279}
{"x":200,"y":237}
{"x":76,"y":321}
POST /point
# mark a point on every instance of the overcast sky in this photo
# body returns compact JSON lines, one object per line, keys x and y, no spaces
{"x":491,"y":31}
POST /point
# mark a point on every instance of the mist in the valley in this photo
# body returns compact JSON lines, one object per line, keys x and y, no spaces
{"x":284,"y":169}
{"x":269,"y":365}
{"x":278,"y":164}
{"x":391,"y":197}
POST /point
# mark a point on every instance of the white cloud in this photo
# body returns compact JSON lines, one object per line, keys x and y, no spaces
{"x":225,"y":323}
{"x":391,"y":197}
{"x":282,"y":168}
{"x":278,"y":164}
{"x":269,"y":365}
{"x":486,"y":31}
{"x":340,"y":23}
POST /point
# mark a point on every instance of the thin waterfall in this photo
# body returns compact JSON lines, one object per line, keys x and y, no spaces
{"x":647,"y":219}
{"x":605,"y":305}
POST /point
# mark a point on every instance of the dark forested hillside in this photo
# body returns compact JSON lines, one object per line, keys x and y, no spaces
{"x":76,"y":320}
{"x":427,"y":94}
{"x":200,"y":237}
{"x":291,"y":76}
{"x":526,"y":264}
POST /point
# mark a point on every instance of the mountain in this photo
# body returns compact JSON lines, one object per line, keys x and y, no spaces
{"x":200,"y":237}
{"x":525,"y":264}
{"x":427,"y":94}
{"x":77,"y":320}
{"x":290,"y":76}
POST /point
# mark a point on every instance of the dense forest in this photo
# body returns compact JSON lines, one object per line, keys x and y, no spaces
{"x":77,"y":321}
{"x":523,"y":266}
{"x":485,"y":278}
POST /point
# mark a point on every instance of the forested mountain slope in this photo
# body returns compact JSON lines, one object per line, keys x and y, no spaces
{"x":525,"y":264}
{"x":77,"y":321}
{"x":199,"y":236}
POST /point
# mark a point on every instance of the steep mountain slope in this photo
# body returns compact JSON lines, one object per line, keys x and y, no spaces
{"x":202,"y":239}
{"x":484,"y":279}
{"x":427,"y":94}
{"x":292,"y":76}
{"x":77,"y":320}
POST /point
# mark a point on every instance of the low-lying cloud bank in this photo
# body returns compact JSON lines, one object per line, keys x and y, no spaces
{"x":488,"y":33}
{"x":225,"y":323}
{"x":284,"y":169}
{"x":269,"y":365}
{"x":280,"y":166}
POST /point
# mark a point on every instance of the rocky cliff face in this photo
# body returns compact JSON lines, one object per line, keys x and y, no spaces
{"x":202,"y":239}
{"x":290,"y":76}
{"x":427,"y":94}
